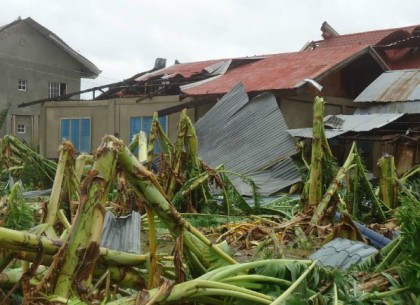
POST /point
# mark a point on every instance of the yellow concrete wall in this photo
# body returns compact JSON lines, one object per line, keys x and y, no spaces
{"x":297,"y":111}
{"x":107,"y":117}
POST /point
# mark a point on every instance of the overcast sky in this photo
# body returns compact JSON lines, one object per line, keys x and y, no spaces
{"x":124,"y":37}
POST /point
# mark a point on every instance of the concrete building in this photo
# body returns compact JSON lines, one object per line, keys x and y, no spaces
{"x":35,"y":64}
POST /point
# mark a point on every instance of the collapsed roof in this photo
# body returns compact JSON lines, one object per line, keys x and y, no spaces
{"x":249,"y":137}
{"x":284,"y":72}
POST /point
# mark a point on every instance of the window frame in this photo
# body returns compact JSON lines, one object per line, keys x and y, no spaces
{"x":22,"y":85}
{"x":78,"y":146}
{"x":18,"y":130}
{"x":56,"y":89}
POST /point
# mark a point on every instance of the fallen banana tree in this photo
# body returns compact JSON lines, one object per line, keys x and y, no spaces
{"x":21,"y":162}
{"x":70,"y":266}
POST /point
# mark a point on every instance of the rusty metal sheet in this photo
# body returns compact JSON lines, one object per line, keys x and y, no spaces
{"x":393,"y":86}
{"x":283,"y":71}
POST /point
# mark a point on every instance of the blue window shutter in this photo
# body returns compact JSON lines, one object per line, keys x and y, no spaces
{"x":65,"y":129}
{"x":135,"y":126}
{"x":85,"y":135}
{"x":147,"y":125}
{"x":74,"y":133}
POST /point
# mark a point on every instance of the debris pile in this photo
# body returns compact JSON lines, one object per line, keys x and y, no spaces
{"x":54,"y":253}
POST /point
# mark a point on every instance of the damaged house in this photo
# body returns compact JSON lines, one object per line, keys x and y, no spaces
{"x":243,"y":107}
{"x":395,"y":93}
{"x":390,"y":103}
{"x":123,"y":110}
{"x":342,"y":65}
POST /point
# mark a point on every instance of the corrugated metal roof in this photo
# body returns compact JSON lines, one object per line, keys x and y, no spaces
{"x":122,"y":233}
{"x":282,"y":71}
{"x":402,"y":39}
{"x":343,"y":253}
{"x":341,"y":124}
{"x":278,"y":177}
{"x":398,"y":107}
{"x":185,"y":70}
{"x":357,"y":122}
{"x":393,"y":86}
{"x":219,"y":67}
{"x":205,"y":68}
{"x":361,"y":38}
{"x":307,"y":133}
{"x":247,"y":136}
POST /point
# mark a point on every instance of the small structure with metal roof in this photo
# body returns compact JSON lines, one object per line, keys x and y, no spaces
{"x":393,"y":86}
{"x":341,"y":124}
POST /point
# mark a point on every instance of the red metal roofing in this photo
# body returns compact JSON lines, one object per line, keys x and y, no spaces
{"x":280,"y":71}
{"x":410,"y":62}
{"x":362,"y":38}
{"x":185,"y":69}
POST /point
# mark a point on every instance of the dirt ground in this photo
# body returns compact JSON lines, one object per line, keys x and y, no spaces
{"x":241,"y":253}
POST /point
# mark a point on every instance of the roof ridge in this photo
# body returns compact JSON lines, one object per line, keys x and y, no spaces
{"x":355,"y":34}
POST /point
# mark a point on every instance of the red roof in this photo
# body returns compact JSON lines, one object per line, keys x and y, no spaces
{"x":363,"y":38}
{"x":185,"y":70}
{"x":281,"y":71}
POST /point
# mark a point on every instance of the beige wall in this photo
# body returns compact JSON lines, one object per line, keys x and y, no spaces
{"x":25,"y":54}
{"x":113,"y":116}
{"x":107,"y":117}
{"x":297,"y":111}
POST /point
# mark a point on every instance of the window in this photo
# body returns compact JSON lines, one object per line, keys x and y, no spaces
{"x":145,"y":124}
{"x":21,"y":128}
{"x":22,"y":85}
{"x":77,"y":131}
{"x":56,"y":89}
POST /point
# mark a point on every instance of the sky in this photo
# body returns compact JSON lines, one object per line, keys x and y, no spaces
{"x":124,"y":37}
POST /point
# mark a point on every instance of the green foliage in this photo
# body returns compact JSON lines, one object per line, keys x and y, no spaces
{"x":18,"y":215}
{"x":409,"y":216}
{"x":34,"y":179}
{"x":195,"y":191}
{"x":24,"y":163}
{"x":285,"y":206}
{"x":233,"y":199}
